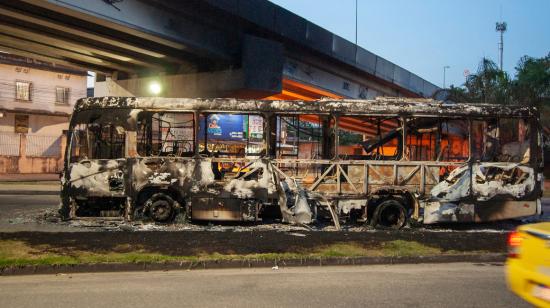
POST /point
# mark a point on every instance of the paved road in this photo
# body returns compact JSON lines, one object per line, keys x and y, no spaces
{"x":20,"y":212}
{"x":12,"y":204}
{"x":426,"y":285}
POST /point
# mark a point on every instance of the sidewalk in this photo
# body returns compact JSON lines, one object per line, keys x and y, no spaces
{"x":29,"y":177}
{"x":30,"y":188}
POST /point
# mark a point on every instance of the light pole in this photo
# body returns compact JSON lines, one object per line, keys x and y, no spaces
{"x":356,"y":46}
{"x":444,"y":72}
{"x":501,"y":27}
{"x":356,"y":24}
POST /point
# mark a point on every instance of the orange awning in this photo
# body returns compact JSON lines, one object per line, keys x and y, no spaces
{"x":293,"y":90}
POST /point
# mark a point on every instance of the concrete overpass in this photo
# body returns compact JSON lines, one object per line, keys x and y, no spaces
{"x":200,"y":48}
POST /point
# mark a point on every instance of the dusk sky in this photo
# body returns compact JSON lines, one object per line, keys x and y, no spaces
{"x":425,"y":35}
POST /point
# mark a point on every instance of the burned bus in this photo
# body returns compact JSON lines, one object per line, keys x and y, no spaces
{"x":384,"y":162}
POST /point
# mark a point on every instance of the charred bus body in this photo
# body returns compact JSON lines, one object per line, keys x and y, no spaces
{"x":382,"y":161}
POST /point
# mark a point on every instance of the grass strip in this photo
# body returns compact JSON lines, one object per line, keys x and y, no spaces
{"x":19,"y":253}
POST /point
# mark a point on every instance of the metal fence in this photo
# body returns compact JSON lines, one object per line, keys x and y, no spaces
{"x":43,"y":146}
{"x":36,"y":145}
{"x":9,"y":144}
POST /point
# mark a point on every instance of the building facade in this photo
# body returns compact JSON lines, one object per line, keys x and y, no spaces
{"x":36,"y":101}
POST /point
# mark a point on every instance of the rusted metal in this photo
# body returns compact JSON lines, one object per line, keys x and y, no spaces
{"x":120,"y":178}
{"x":381,"y":106}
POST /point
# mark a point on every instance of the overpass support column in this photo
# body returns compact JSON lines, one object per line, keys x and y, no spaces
{"x":262,"y":63}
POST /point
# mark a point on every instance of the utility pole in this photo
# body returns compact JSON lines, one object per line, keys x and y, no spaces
{"x":356,"y":22}
{"x":444,"y":71}
{"x":501,"y":27}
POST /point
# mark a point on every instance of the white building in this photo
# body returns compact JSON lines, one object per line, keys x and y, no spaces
{"x":36,"y":100}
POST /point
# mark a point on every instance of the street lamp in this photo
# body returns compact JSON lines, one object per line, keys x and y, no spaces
{"x":155,"y":88}
{"x":444,"y":72}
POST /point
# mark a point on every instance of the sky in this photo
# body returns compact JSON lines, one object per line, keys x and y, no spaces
{"x":423,"y":36}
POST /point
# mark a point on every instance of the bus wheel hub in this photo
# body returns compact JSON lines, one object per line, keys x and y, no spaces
{"x":161,"y":209}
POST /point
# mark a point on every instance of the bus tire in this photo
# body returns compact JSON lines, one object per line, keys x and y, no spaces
{"x":64,"y":210}
{"x":389,"y":214}
{"x":160,"y":207}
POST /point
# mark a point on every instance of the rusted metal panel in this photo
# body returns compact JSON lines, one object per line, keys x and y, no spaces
{"x":223,"y":209}
{"x":98,"y":178}
{"x":437,"y":212}
{"x":385,"y":106}
{"x":445,"y":191}
{"x":493,"y":211}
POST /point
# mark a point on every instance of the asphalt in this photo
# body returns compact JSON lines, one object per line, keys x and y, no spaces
{"x":26,"y":213}
{"x":30,"y":188}
{"x":415,"y":285}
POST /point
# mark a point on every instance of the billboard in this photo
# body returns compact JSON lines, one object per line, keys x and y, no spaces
{"x":224,"y":127}
{"x":231,"y":127}
{"x":256,"y":127}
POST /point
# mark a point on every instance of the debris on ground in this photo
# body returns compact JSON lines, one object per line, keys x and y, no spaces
{"x":50,"y":218}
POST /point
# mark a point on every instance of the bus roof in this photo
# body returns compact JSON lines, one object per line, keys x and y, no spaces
{"x":381,"y":105}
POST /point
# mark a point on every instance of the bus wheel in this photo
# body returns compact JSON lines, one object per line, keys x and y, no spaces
{"x":161,"y":207}
{"x":64,"y":209}
{"x":389,"y":214}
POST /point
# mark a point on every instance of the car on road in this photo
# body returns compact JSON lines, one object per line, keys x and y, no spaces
{"x":528,"y":264}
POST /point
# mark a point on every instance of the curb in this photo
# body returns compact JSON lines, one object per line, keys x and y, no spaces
{"x":29,"y":192}
{"x":251,"y":263}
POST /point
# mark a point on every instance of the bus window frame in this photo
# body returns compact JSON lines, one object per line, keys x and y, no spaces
{"x":151,"y":113}
{"x":331,"y":118}
{"x":532,"y":126}
{"x":438,"y":140}
{"x":119,"y":117}
{"x":399,"y":154}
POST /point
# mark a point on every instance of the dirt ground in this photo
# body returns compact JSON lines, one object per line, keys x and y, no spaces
{"x":247,"y":242}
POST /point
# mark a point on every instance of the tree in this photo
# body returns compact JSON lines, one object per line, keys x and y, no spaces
{"x":458,"y":94}
{"x":488,"y":85}
{"x":531,"y":86}
{"x":532,"y":83}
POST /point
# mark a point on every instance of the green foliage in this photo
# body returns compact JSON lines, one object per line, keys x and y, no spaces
{"x":19,"y":253}
{"x":457,"y":94}
{"x":530,"y":86}
{"x":489,"y":84}
{"x":349,"y":138}
{"x":308,"y":131}
{"x":532,"y":83}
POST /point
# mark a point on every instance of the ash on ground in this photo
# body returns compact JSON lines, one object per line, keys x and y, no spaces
{"x":50,"y":217}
